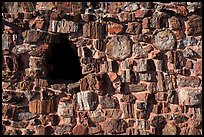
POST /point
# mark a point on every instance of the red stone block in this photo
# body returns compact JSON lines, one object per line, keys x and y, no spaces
{"x":182,"y":10}
{"x":145,"y":23}
{"x":115,"y":28}
{"x":115,"y":7}
{"x":84,"y":84}
{"x":141,"y":13}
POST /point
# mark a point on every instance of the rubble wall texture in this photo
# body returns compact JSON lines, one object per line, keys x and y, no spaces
{"x":142,"y":66}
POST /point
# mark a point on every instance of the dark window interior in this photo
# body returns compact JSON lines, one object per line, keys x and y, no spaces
{"x":63,"y":62}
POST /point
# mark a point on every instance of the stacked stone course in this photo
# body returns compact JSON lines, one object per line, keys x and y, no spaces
{"x":142,"y":66}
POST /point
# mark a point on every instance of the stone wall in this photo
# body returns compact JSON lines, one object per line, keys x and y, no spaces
{"x":142,"y":66}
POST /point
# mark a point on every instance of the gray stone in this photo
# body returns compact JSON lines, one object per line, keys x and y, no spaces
{"x":65,"y":109}
{"x":29,"y":94}
{"x":73,"y":88}
{"x":6,"y":41}
{"x":200,"y":44}
{"x":36,"y":62}
{"x":165,"y":40}
{"x":126,"y":77}
{"x":169,"y":82}
{"x":118,"y":48}
{"x":87,"y":100}
{"x":21,"y":49}
{"x":53,"y":25}
{"x":20,"y":124}
{"x":145,"y":65}
{"x":190,"y":97}
{"x":96,"y":113}
{"x":189,"y":53}
{"x":192,"y":6}
{"x":146,"y":76}
{"x":131,"y":6}
{"x":44,"y":6}
{"x":72,"y":27}
{"x":26,"y":116}
{"x":63,"y":26}
{"x":139,"y":51}
{"x":142,"y":65}
{"x":59,"y":24}
{"x":190,"y":41}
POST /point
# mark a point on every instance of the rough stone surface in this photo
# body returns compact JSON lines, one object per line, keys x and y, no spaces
{"x":118,"y":48}
{"x":139,"y":68}
{"x":138,"y":88}
{"x":109,"y":102}
{"x":165,"y":40}
{"x":63,"y":130}
{"x":169,"y":129}
{"x":174,"y":23}
{"x":79,"y":130}
{"x":190,"y":81}
{"x":87,"y":100}
{"x":198,"y":68}
{"x":190,"y":97}
{"x":189,"y":53}
{"x":115,"y":126}
{"x":25,"y":116}
{"x":193,"y":25}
